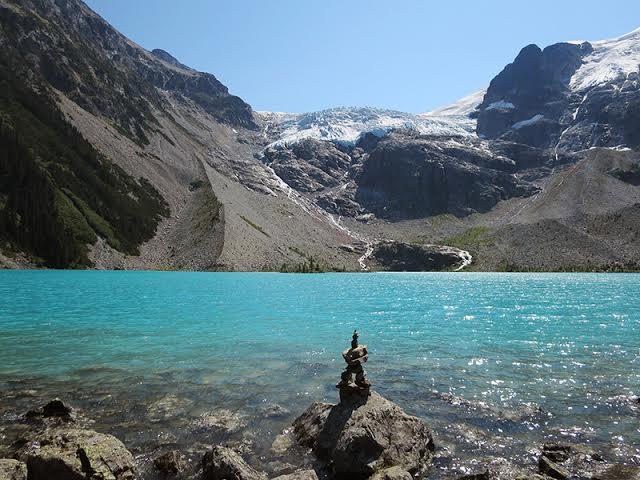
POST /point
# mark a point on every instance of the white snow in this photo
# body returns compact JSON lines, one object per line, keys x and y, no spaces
{"x":525,"y":123}
{"x":501,"y":105}
{"x":463,"y":107}
{"x":609,"y":61}
{"x":346,"y":125}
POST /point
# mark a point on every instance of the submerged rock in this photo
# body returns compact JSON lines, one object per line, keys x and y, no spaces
{"x":274,"y":411}
{"x":501,"y":469}
{"x":220,"y":422}
{"x":55,"y":409}
{"x":222,"y":463}
{"x":169,"y":463}
{"x":70,"y":454}
{"x":359,"y":437}
{"x":12,"y":470}
{"x":168,"y":407}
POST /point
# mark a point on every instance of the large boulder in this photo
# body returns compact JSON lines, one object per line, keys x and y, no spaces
{"x":222,"y":463}
{"x":75,"y":454}
{"x":12,"y":470}
{"x":407,"y":257}
{"x":359,"y":437}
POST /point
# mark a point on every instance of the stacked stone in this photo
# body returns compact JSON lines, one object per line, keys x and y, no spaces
{"x":355,"y":357}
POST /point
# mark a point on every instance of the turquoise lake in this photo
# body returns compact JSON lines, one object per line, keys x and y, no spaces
{"x":521,"y":358}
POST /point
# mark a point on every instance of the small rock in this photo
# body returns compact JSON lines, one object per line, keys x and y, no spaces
{"x":274,"y":411}
{"x":222,"y":463}
{"x":169,"y":463}
{"x":393,"y":473}
{"x":56,"y":408}
{"x":12,"y":470}
{"x":551,"y":469}
{"x":220,"y":422}
{"x":282,"y":444}
{"x":167,"y":407}
{"x":556,"y":452}
{"x":300,"y":475}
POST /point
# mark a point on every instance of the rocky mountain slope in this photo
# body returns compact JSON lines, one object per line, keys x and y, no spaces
{"x":112,"y":156}
{"x":164,"y":127}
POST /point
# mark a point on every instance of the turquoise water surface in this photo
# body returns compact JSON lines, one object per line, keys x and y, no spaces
{"x":457,"y":349}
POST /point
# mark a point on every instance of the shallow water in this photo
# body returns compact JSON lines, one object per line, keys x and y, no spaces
{"x":497,"y":363}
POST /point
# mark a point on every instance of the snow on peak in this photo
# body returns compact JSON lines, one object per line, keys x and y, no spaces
{"x":463,"y":107}
{"x":346,"y":125}
{"x":610,"y":60}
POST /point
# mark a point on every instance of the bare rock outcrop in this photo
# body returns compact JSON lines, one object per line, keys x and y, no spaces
{"x":365,"y":433}
{"x":359,"y":437}
{"x":75,"y":454}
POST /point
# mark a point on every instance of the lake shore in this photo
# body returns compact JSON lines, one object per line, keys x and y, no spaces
{"x":496,"y":365}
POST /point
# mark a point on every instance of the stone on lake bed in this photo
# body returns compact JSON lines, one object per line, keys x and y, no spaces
{"x":12,"y":469}
{"x":273,"y":411}
{"x":167,"y":407}
{"x":221,"y":421}
{"x":169,"y":463}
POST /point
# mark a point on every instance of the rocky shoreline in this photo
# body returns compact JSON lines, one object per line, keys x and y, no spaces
{"x":364,"y":435}
{"x":361,"y":437}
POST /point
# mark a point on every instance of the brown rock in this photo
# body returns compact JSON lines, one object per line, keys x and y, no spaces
{"x":393,"y":473}
{"x":12,"y":470}
{"x":69,"y":454}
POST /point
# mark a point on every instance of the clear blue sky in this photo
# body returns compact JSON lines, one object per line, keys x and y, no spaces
{"x":410,"y":55}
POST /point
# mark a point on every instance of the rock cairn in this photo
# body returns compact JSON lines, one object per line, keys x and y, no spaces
{"x":355,"y":357}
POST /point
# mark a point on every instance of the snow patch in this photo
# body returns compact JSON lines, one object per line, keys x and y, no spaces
{"x":462,"y":108}
{"x":525,"y":123}
{"x":501,"y":105}
{"x":610,"y":60}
